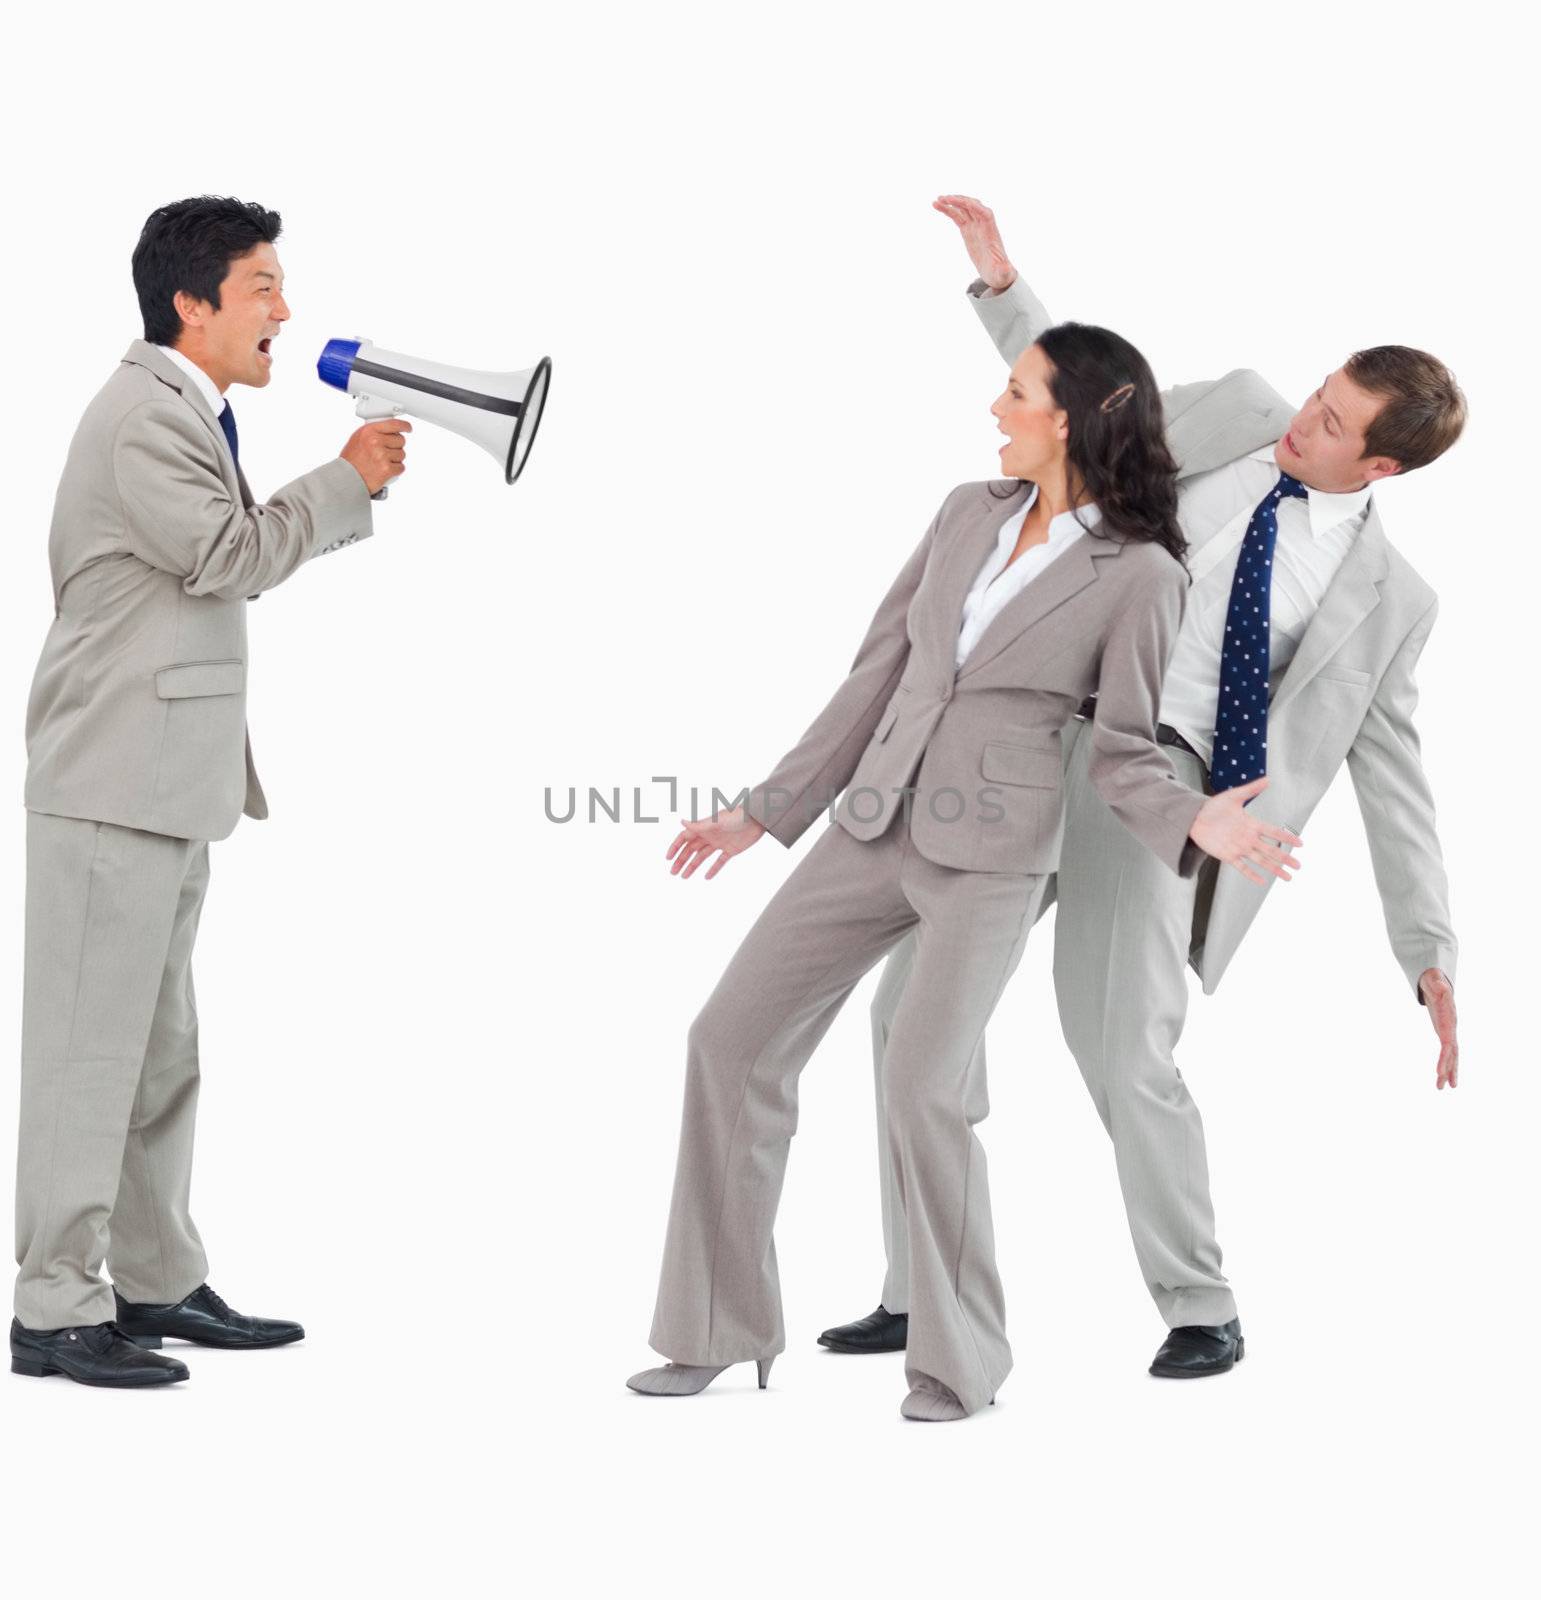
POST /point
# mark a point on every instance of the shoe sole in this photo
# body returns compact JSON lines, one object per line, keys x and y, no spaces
{"x":39,"y":1369}
{"x":843,"y":1349}
{"x":1201,"y":1372}
{"x":154,"y":1341}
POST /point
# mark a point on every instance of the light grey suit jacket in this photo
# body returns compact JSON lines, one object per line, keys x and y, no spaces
{"x":980,"y":746}
{"x":1347,"y":695}
{"x":138,"y":708}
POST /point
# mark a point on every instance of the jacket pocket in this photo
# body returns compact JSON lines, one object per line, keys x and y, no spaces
{"x":1033,"y":765}
{"x":187,"y":679}
{"x":1344,"y":675}
{"x":889,"y":718}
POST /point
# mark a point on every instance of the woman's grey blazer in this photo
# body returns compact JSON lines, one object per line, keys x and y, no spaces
{"x":972,"y":756}
{"x":138,"y":708}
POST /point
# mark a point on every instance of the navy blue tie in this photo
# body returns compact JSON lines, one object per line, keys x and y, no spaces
{"x":227,"y":422}
{"x":1241,"y":721}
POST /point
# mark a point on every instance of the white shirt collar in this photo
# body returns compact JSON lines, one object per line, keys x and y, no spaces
{"x":1327,"y":510}
{"x":1062,"y":528}
{"x":206,"y":385}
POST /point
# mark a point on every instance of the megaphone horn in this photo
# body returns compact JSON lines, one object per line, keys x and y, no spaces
{"x":500,"y":411}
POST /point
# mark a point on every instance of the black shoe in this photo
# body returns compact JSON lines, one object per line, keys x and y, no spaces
{"x":872,"y":1335}
{"x":202,"y":1318}
{"x":97,"y":1354}
{"x":1197,"y":1352}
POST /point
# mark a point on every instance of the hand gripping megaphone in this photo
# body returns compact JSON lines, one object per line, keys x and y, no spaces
{"x":500,"y":411}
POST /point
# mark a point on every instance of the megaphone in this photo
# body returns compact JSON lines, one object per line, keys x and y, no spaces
{"x":500,"y":411}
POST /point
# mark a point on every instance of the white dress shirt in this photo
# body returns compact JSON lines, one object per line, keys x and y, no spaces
{"x":206,"y":385}
{"x":1314,"y":536}
{"x":998,"y":584}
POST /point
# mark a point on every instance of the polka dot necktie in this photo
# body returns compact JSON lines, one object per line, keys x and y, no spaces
{"x":1241,"y":723}
{"x":227,"y":422}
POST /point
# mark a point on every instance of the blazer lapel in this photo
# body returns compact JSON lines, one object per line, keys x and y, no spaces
{"x":960,"y":565}
{"x":1351,"y":596}
{"x":1070,"y":572}
{"x":144,"y":354}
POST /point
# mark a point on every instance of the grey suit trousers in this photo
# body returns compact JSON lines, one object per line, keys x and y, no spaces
{"x":1121,"y":937}
{"x":845,"y":904}
{"x":109,"y":1071}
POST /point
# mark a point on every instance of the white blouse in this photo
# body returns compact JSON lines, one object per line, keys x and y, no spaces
{"x":997,"y":584}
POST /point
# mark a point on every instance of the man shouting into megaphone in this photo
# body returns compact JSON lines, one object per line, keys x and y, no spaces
{"x":137,"y":757}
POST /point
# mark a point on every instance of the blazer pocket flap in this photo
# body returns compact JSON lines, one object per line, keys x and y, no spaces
{"x":1344,"y":675}
{"x":888,"y":719}
{"x":190,"y":678}
{"x":1021,"y":763}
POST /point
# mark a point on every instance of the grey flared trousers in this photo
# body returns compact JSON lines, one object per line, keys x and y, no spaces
{"x":842,"y":908}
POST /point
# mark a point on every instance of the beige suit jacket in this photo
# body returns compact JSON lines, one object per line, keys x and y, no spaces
{"x":1347,"y":696}
{"x":137,"y":714}
{"x":972,"y":756}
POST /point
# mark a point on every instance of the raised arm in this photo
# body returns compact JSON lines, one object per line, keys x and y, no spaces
{"x":179,"y":516}
{"x":1012,"y":314}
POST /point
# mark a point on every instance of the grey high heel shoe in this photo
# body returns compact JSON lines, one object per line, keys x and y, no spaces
{"x":677,"y":1378}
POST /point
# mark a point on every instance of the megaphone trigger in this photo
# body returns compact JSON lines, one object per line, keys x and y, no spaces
{"x":373,"y":409}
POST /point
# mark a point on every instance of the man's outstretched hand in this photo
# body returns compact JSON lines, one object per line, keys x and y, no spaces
{"x":729,"y":832}
{"x":981,"y":238}
{"x":1439,"y":996}
{"x":1224,"y":830}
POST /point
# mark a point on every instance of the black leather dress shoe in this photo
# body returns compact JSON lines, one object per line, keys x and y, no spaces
{"x":99,"y":1354}
{"x":1197,"y":1352}
{"x":202,"y":1318}
{"x":871,"y":1335}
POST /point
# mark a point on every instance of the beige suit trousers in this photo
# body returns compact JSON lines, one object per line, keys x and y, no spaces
{"x":109,"y":1071}
{"x":845,"y":904}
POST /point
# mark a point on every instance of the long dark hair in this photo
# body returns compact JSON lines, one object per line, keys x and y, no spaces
{"x":1117,"y":448}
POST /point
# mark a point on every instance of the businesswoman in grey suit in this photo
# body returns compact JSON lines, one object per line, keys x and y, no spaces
{"x":1021,"y":600}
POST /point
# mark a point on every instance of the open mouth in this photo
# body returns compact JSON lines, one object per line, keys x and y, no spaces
{"x":265,"y":347}
{"x":1289,"y":440}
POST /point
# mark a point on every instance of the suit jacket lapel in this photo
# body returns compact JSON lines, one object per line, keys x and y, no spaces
{"x":960,"y":565}
{"x":1351,"y":596}
{"x":1067,"y":574}
{"x":142,"y":353}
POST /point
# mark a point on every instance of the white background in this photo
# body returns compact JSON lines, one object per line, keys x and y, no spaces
{"x":443,"y":1038}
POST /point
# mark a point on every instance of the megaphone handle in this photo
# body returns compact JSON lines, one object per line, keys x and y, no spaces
{"x":370,"y":409}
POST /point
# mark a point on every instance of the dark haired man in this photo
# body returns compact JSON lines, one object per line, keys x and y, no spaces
{"x":1296,"y":654}
{"x":137,"y":758}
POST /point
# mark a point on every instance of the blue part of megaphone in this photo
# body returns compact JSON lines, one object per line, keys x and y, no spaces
{"x":335,"y":364}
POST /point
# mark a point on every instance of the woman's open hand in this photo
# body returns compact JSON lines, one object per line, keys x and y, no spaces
{"x":728,"y":832}
{"x":1224,"y":830}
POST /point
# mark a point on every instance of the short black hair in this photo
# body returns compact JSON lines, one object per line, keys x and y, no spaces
{"x":189,"y":245}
